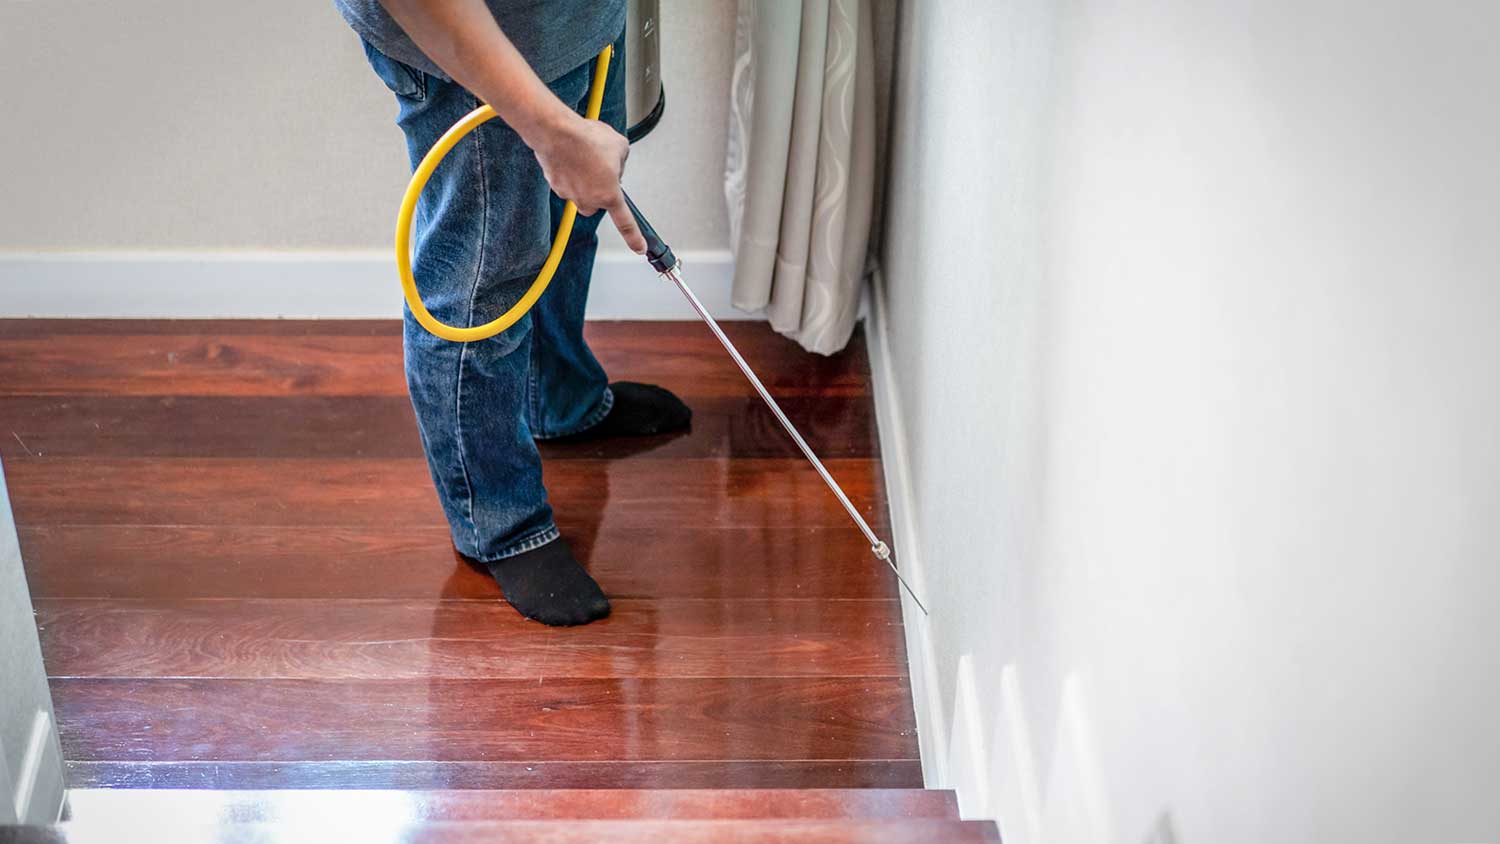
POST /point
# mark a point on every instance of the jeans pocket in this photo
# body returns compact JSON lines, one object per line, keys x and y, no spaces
{"x":402,"y":79}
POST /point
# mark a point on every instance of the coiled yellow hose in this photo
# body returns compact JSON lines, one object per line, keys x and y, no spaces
{"x":408,"y":211}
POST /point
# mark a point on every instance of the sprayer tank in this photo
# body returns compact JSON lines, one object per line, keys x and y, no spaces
{"x":644,"y":95}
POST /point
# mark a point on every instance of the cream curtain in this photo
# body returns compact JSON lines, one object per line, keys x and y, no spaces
{"x":801,"y":164}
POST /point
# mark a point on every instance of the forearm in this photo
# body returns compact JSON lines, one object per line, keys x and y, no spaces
{"x":462,"y":37}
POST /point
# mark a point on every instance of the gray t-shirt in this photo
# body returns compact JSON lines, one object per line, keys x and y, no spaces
{"x":555,"y":36}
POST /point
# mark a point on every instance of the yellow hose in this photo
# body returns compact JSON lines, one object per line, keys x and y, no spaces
{"x":409,"y":208}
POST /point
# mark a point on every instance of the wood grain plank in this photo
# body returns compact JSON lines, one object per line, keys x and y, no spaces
{"x":385,"y":426}
{"x":208,"y":426}
{"x":738,"y":773}
{"x":215,"y":358}
{"x":268,"y":806}
{"x":251,"y":561}
{"x":191,"y":364}
{"x":685,"y":358}
{"x":343,"y":639}
{"x":36,"y":327}
{"x":486,"y":720}
{"x":394,"y":493}
{"x":841,"y":831}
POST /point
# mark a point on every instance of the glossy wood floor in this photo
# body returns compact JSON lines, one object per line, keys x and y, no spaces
{"x":243,"y":580}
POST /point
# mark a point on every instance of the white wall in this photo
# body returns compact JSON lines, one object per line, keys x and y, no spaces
{"x":1192,"y":325}
{"x":178,"y":124}
{"x":31,"y":764}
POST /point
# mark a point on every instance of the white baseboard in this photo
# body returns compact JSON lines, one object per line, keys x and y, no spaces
{"x":926,"y":692}
{"x":306,"y":285}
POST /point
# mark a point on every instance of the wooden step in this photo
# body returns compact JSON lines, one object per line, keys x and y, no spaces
{"x":515,"y":720}
{"x":363,"y":358}
{"x":427,"y":639}
{"x":92,"y":805}
{"x":426,"y":775}
{"x":844,"y":831}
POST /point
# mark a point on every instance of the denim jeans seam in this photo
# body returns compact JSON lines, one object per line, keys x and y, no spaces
{"x":484,"y":230}
{"x":422,"y":78}
{"x":463,"y":463}
{"x":533,"y":403}
{"x":535,"y":539}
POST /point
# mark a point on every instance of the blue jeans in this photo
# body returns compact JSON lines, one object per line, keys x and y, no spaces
{"x":483,"y":227}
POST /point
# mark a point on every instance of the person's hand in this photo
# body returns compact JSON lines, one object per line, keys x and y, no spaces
{"x":583,"y":160}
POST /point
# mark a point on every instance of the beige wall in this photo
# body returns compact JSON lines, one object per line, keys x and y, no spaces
{"x":177,"y":124}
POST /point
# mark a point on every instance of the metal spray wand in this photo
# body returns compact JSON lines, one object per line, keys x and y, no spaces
{"x":659,"y":254}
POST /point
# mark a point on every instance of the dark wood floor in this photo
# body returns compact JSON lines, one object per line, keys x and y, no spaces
{"x":243,"y":580}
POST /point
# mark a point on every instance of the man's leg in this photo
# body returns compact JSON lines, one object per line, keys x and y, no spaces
{"x":482,"y":231}
{"x":570,"y":395}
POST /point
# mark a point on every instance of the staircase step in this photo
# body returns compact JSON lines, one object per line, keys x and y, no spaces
{"x":843,"y":831}
{"x":407,"y":775}
{"x":111,"y":805}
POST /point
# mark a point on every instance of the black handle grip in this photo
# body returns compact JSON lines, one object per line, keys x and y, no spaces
{"x":657,"y":251}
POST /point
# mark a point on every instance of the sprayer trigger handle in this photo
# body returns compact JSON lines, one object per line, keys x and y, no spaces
{"x":657,"y":251}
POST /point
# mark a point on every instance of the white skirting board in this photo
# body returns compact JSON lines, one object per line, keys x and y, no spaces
{"x":926,"y":694}
{"x":307,"y":285}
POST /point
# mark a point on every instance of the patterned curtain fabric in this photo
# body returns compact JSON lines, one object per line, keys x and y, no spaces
{"x":801,"y":164}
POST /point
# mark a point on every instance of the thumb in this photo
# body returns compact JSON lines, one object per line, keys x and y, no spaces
{"x":625,"y":222}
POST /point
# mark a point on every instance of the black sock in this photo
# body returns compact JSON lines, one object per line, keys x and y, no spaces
{"x":639,"y":409}
{"x":547,"y":584}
